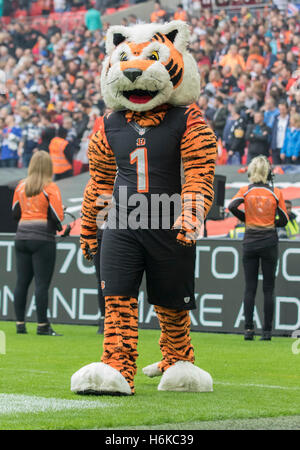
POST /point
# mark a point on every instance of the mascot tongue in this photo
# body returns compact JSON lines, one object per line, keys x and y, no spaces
{"x":144,"y":98}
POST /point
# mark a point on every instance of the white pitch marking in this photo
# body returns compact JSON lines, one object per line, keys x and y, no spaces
{"x":17,"y":403}
{"x":24,"y":370}
{"x":72,"y":209}
{"x":281,"y":184}
{"x":264,"y":386}
{"x":75,"y":200}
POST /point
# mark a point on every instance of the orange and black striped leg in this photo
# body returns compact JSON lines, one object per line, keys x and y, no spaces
{"x":175,"y":340}
{"x":121,"y":336}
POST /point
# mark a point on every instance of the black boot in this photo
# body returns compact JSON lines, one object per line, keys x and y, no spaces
{"x":101,"y":326}
{"x":46,"y":330}
{"x":266,"y":336}
{"x":249,"y":335}
{"x":21,"y":328}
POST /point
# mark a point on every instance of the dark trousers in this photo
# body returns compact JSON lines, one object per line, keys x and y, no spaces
{"x":11,"y":162}
{"x":288,"y":160}
{"x":251,"y":259}
{"x":101,"y":300}
{"x":276,"y":157}
{"x":26,"y":159}
{"x":34,"y":259}
{"x":61,"y":176}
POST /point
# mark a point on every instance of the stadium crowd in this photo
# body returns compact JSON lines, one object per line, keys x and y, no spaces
{"x":19,"y":8}
{"x":249,"y":67}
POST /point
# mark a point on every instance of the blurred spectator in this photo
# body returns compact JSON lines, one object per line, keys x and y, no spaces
{"x":238,"y":231}
{"x":133,"y":20}
{"x":220,"y":116}
{"x":233,"y":59}
{"x":79,"y":90}
{"x":61,"y":153}
{"x":46,"y":7}
{"x":53,"y":29}
{"x":258,"y":135}
{"x":93,"y":19}
{"x":71,"y":130}
{"x":81,"y":120}
{"x":236,"y":139}
{"x":48,"y":132}
{"x":270,"y":111}
{"x":295,"y":104}
{"x":255,"y":56}
{"x":158,"y":13}
{"x":279,"y":128}
{"x":290,"y":152}
{"x":292,"y":229}
{"x":5,"y":106}
{"x":59,"y":5}
{"x":11,"y":137}
{"x":228,"y":125}
{"x":81,"y":158}
{"x":180,"y":13}
{"x":228,"y":81}
{"x":207,"y":110}
{"x":31,"y":134}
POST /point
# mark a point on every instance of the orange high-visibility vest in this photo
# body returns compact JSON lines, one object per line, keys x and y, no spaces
{"x":59,"y":160}
{"x":182,"y":15}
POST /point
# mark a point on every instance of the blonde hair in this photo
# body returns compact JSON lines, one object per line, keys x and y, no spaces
{"x":295,"y":118}
{"x":258,"y":169}
{"x":40,"y":172}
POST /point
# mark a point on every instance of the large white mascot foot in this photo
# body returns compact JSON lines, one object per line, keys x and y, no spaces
{"x":152,"y":370}
{"x":99,"y":379}
{"x":185,"y":377}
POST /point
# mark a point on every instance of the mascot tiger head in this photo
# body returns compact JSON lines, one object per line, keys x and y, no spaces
{"x":148,"y":65}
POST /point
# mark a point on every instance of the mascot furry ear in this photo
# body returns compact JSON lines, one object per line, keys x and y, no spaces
{"x":148,"y":65}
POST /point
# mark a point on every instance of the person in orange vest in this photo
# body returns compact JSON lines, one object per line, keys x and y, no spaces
{"x":37,"y":207}
{"x":158,"y":13}
{"x":180,"y":14}
{"x":61,"y":153}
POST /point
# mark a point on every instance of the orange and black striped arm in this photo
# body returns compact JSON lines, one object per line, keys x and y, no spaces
{"x":198,"y":154}
{"x":98,"y":191}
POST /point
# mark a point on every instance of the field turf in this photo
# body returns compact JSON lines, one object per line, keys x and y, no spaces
{"x":256,"y":384}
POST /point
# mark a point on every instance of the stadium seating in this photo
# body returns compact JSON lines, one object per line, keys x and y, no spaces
{"x":36,"y":9}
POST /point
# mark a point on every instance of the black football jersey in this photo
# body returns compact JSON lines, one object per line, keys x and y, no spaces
{"x":148,"y":159}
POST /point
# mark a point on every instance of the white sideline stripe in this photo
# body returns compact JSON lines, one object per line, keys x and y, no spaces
{"x":282,"y":184}
{"x":24,"y":370}
{"x":16,"y":404}
{"x":264,"y":386}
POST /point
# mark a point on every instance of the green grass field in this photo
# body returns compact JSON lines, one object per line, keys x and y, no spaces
{"x":256,"y":384}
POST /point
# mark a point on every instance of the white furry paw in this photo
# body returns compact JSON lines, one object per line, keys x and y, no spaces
{"x":99,"y":379}
{"x":185,"y":377}
{"x":152,"y":370}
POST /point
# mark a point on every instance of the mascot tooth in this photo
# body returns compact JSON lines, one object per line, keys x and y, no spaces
{"x":150,"y":82}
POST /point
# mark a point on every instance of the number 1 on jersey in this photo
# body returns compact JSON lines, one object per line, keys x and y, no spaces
{"x":140,"y":157}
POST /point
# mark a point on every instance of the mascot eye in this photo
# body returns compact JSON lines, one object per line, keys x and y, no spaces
{"x":154,"y":56}
{"x":123,"y":57}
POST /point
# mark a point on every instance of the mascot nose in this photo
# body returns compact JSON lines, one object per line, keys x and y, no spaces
{"x":132,"y":74}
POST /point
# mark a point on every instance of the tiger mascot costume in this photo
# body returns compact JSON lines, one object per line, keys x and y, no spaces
{"x":150,"y":82}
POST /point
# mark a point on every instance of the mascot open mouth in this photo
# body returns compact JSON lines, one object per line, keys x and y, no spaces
{"x":139,"y":95}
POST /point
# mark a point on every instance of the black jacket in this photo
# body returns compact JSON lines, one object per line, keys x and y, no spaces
{"x":48,"y":134}
{"x":237,"y":134}
{"x":219,"y":121}
{"x":258,"y":137}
